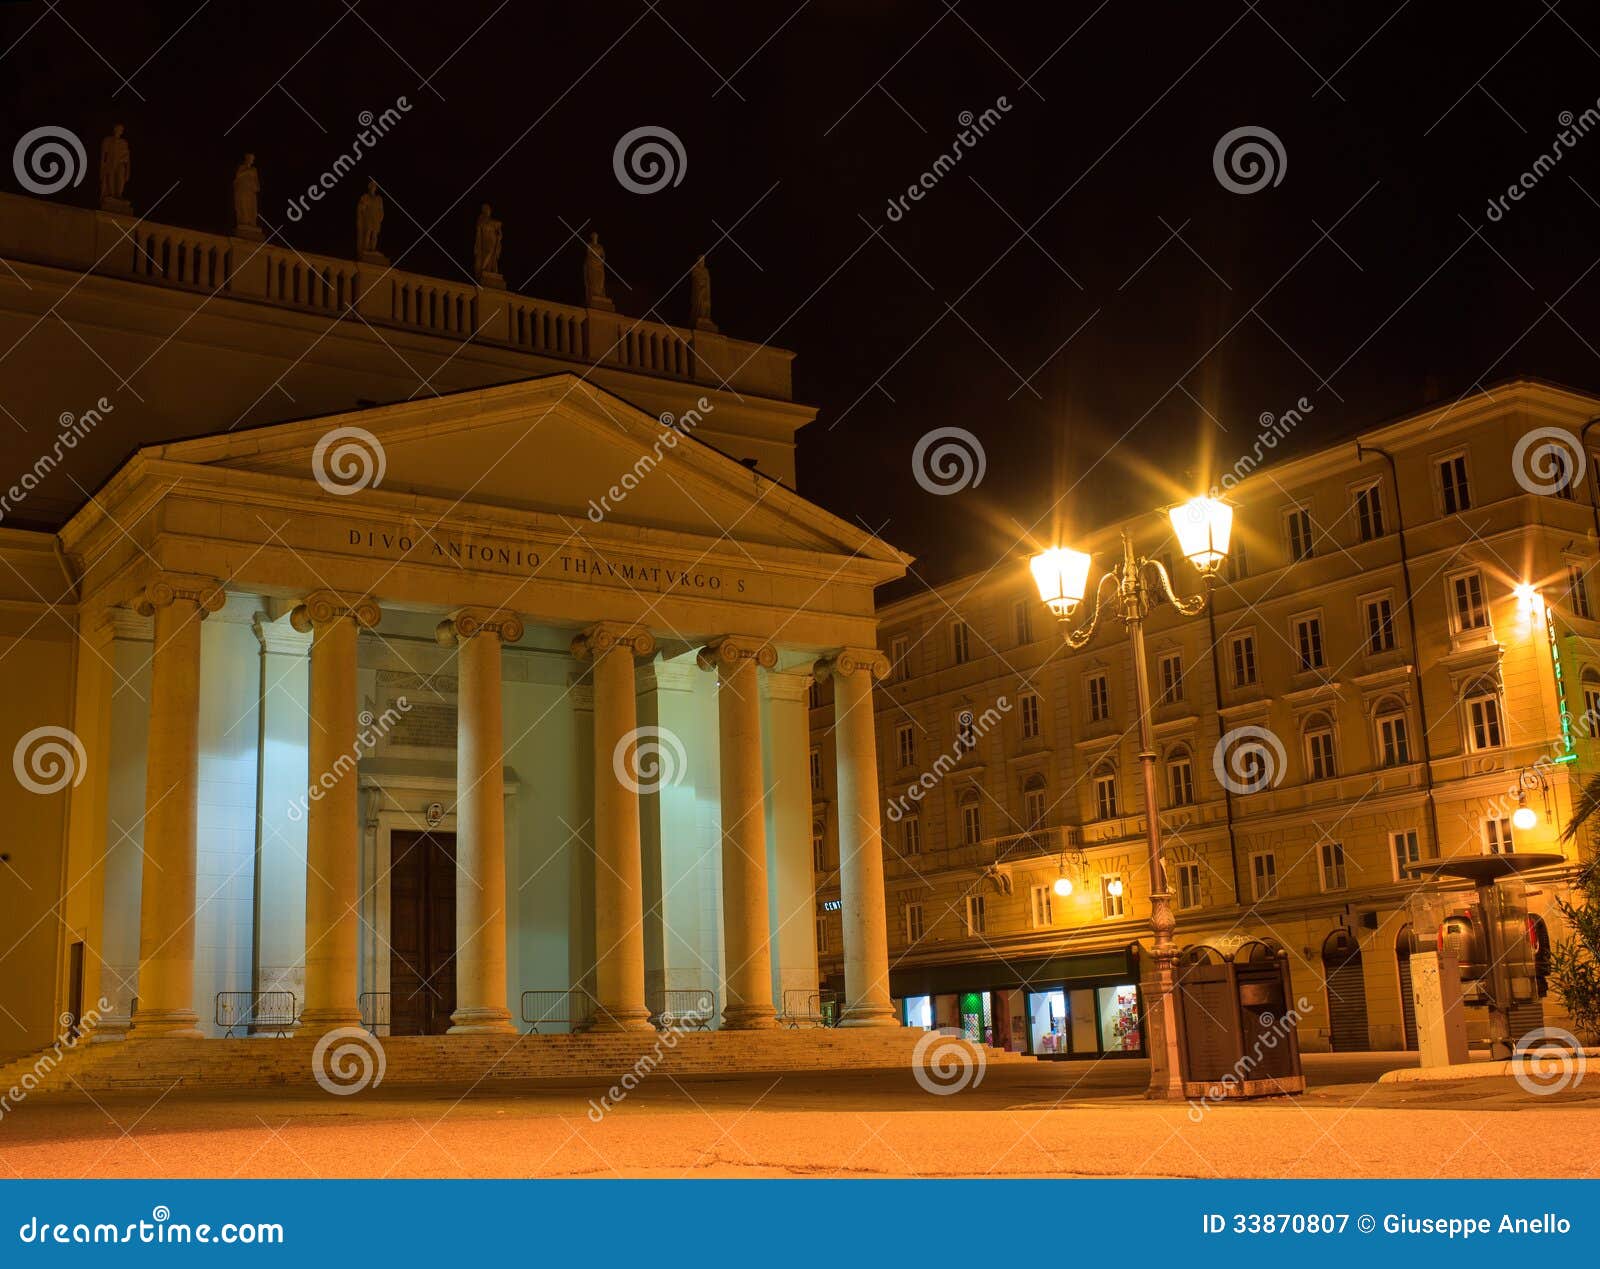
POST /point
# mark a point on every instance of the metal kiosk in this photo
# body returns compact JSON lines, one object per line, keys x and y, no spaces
{"x":1238,"y":1028}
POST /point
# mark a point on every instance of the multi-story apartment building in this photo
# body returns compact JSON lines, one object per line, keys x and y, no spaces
{"x":1400,"y":652}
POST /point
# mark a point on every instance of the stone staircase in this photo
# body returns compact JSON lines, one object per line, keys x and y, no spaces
{"x":354,"y":1057}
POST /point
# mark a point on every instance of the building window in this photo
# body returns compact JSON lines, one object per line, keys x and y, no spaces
{"x":1332,"y":861}
{"x":1188,"y":885}
{"x":1180,"y":778}
{"x":1454,"y":495}
{"x":1263,"y":875}
{"x":971,"y":819}
{"x":1297,"y":530}
{"x":819,"y":849}
{"x":822,"y":936}
{"x":1105,"y":793}
{"x":1466,"y":590}
{"x":911,"y":835}
{"x":1308,"y":642}
{"x":1170,"y":669}
{"x":814,"y":695}
{"x":1552,"y":458}
{"x":966,"y":731}
{"x":1022,"y":620}
{"x":1320,"y":761}
{"x":1030,"y":715}
{"x":1099,"y":689}
{"x":1033,"y":801}
{"x":915,"y":927}
{"x":1578,"y":591}
{"x":816,"y":770}
{"x":1497,"y":838}
{"x":1394,"y":744}
{"x":1380,"y":624}
{"x":1403,"y":846}
{"x":899,"y":658}
{"x":1590,"y":723}
{"x":905,"y":745}
{"x":1111,"y":894}
{"x":1039,"y":907}
{"x":977,"y":917}
{"x":1243,"y":649}
{"x":960,"y":642}
{"x":1369,"y":512}
{"x":1483,"y":716}
{"x":1238,"y":562}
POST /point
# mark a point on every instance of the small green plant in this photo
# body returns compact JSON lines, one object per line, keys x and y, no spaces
{"x":1575,"y":959}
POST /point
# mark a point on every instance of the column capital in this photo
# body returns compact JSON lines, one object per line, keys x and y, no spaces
{"x":467,"y":622}
{"x":726,"y":652}
{"x":280,"y":636}
{"x":603,"y":636}
{"x":787,"y":685}
{"x":165,"y":589}
{"x":848,"y":661}
{"x":123,"y":625}
{"x":323,"y":607}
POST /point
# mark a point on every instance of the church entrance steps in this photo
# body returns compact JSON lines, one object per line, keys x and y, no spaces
{"x":354,"y":1057}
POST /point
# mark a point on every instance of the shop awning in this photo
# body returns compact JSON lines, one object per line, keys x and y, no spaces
{"x":1116,"y":965}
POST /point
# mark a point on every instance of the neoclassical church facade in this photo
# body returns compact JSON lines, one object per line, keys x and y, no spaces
{"x":405,"y":672}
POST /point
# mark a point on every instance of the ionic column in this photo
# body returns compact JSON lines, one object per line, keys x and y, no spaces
{"x":618,"y":872}
{"x":332,"y":804}
{"x":866,"y":928}
{"x":178,"y":603}
{"x":480,"y":820}
{"x":746,"y":931}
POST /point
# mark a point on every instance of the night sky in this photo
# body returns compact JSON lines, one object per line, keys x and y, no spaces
{"x":1080,"y":291}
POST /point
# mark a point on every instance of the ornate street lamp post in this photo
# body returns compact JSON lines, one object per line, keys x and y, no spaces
{"x":1130,"y":590}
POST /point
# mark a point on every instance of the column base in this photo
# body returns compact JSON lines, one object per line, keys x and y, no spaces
{"x":865,"y":1015}
{"x":318,"y":1022}
{"x":481,"y":1021}
{"x":620,"y":1019}
{"x":110,"y":1031}
{"x":165,"y":1024}
{"x":749,"y":1018}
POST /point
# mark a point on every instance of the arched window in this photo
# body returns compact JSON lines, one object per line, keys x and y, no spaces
{"x":1034,"y":799}
{"x":1105,"y":791}
{"x":1483,"y":715}
{"x":1180,"y":776}
{"x":1394,"y":737}
{"x":1321,"y":758}
{"x":971,"y":818}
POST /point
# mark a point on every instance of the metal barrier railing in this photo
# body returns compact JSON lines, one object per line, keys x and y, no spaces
{"x":554,"y":1008}
{"x":802,"y":1008}
{"x":256,"y":1010}
{"x":686,"y":1009}
{"x":374,"y":1006}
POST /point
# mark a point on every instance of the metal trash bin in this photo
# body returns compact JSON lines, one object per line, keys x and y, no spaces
{"x":1238,"y":1023}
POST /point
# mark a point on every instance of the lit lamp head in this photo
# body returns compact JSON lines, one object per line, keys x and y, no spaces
{"x":1063,"y":887}
{"x":1114,"y":886}
{"x":1524,"y":817}
{"x":1203,"y":526}
{"x":1062,"y":576}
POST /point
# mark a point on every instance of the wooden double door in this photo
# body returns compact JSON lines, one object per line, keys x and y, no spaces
{"x":422,"y":933}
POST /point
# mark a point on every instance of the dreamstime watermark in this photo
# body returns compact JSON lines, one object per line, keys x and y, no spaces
{"x":1548,"y":1060}
{"x":673,"y":431}
{"x":346,"y":460}
{"x":1275,"y":1030}
{"x":160,"y":1230}
{"x":373,"y":128}
{"x":1573,"y":129}
{"x":948,"y":460}
{"x":944,"y":1063}
{"x":48,"y":159}
{"x":971,"y":728}
{"x":48,"y":759}
{"x":373,"y":729}
{"x":73,"y":428}
{"x":1248,"y":159}
{"x":1249,"y":759}
{"x":347,"y":1060}
{"x":1274,"y":428}
{"x":695,"y":1019}
{"x":648,"y":159}
{"x":73,"y":1031}
{"x":973,"y":129}
{"x":1547,"y":460}
{"x":649,"y":759}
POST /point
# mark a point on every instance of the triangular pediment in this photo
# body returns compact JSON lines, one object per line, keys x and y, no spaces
{"x":556,"y":445}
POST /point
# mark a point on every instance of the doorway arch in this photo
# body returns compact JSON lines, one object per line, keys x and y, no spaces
{"x":1408,"y":1003}
{"x":1347,"y":993}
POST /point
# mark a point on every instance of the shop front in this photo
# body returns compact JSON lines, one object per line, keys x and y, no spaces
{"x":1056,"y":1007}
